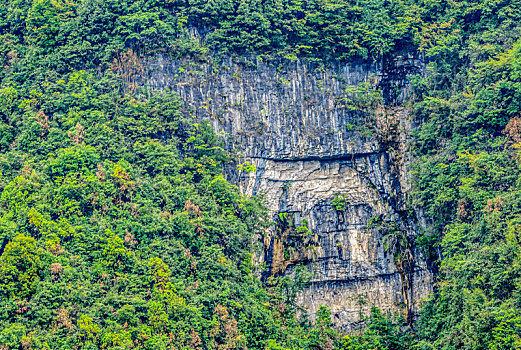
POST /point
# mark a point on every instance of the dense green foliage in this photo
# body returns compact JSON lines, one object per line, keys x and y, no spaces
{"x":117,"y":229}
{"x":468,"y":181}
{"x":113,"y":238}
{"x":59,"y":35}
{"x":85,"y":33}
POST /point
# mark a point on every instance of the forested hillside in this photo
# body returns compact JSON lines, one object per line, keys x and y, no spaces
{"x":118,"y":229}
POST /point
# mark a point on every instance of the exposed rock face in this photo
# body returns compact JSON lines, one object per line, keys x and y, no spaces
{"x":326,"y":161}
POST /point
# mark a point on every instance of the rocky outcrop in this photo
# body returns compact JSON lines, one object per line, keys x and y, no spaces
{"x":330,"y":156}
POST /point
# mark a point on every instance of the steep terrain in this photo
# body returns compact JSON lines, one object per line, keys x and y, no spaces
{"x":321,"y":142}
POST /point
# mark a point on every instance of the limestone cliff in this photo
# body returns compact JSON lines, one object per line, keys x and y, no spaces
{"x":330,"y":157}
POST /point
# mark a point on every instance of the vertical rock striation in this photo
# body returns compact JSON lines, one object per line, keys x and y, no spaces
{"x":328,"y":162}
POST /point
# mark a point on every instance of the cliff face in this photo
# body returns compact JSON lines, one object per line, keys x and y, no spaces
{"x":330,"y":157}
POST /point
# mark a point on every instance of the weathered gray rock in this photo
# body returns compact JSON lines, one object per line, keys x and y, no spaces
{"x":311,"y":143}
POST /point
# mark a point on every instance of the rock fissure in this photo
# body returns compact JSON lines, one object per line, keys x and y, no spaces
{"x":338,"y":157}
